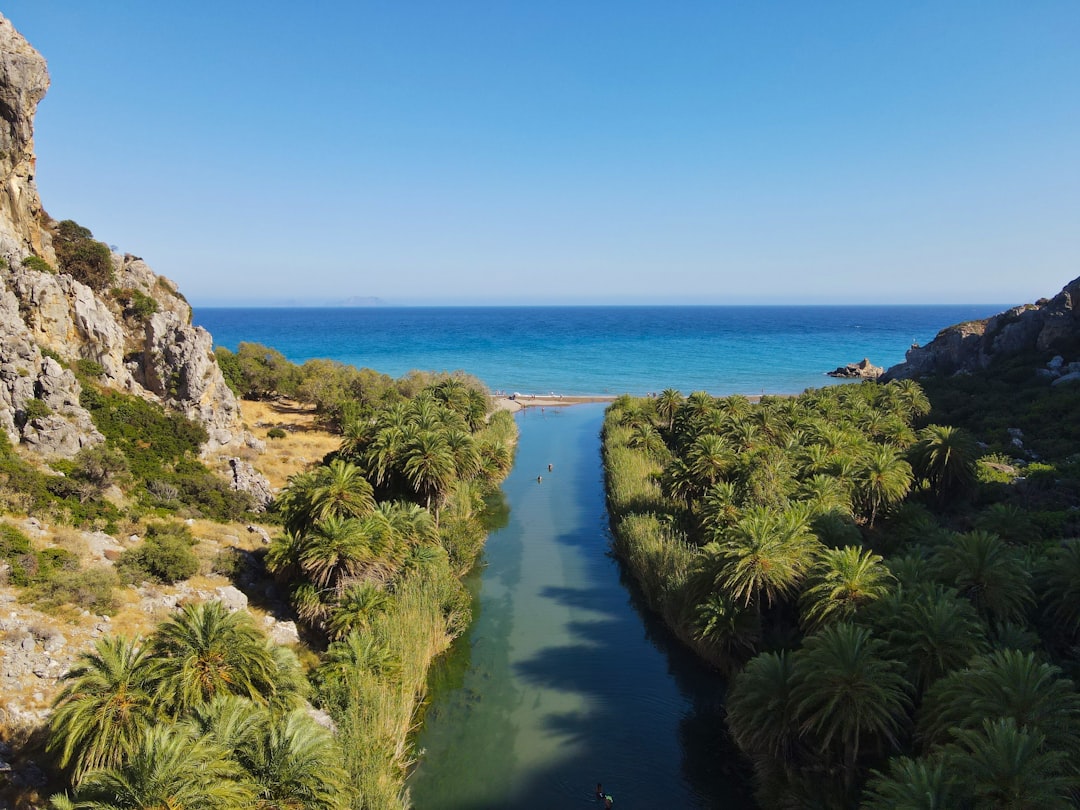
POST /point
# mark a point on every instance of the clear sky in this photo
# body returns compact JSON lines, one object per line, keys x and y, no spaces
{"x":570,"y":151}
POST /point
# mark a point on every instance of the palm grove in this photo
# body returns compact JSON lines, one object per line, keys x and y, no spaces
{"x":205,"y":712}
{"x":895,"y":606}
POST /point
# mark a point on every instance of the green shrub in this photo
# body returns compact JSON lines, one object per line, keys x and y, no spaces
{"x":276,"y":433}
{"x":90,"y":369}
{"x":150,"y":438}
{"x":81,"y":256}
{"x":34,"y":409}
{"x":47,"y":352}
{"x":228,"y":562}
{"x":38,"y":263}
{"x":165,"y":555}
{"x":89,"y":589}
{"x":136,"y":303}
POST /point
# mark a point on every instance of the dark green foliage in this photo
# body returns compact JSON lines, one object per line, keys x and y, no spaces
{"x":82,"y":257}
{"x":88,"y":369}
{"x":150,"y":438}
{"x":164,"y":556}
{"x":257,"y":372}
{"x":33,"y":409}
{"x":39,"y":264}
{"x":276,"y":433}
{"x":47,"y":352}
{"x":136,"y":303}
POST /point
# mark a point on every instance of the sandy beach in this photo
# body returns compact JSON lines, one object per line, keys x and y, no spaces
{"x":519,"y":401}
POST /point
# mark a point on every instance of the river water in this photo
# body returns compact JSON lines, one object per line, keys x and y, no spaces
{"x":563,"y":680}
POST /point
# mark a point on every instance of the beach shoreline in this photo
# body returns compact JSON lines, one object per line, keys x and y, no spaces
{"x":518,"y":402}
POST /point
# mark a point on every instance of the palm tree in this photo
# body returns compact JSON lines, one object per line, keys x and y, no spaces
{"x":1002,"y":764}
{"x":945,"y":457}
{"x":766,"y":555}
{"x":292,"y":761}
{"x":989,"y":573}
{"x":709,"y":458}
{"x":646,"y":437}
{"x":207,"y":651}
{"x":883,"y":479}
{"x":105,"y":706}
{"x":356,"y":608}
{"x":334,"y":551}
{"x":847,"y":689}
{"x":167,"y":768}
{"x":667,"y":405}
{"x":1060,"y":577}
{"x":429,"y":466}
{"x":348,"y":661}
{"x":842,"y":581}
{"x":913,"y":400}
{"x":934,"y":631}
{"x":912,"y":784}
{"x":760,"y":710}
{"x":729,"y":630}
{"x":338,"y":489}
{"x":1003,"y":684}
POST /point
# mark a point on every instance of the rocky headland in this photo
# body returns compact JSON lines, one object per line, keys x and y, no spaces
{"x":1049,"y":327}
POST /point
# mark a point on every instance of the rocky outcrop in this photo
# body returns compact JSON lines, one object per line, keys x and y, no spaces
{"x":246,"y":478}
{"x":1045,"y":327}
{"x":23,"y":82}
{"x":863,"y":370}
{"x":151,"y":350}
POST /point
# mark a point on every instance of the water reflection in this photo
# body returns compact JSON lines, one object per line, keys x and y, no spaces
{"x":568,"y":682}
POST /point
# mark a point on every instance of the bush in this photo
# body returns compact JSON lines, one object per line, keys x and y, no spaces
{"x":38,"y":263}
{"x":276,"y":433}
{"x":90,"y":589}
{"x":90,"y":369}
{"x":136,"y":303}
{"x":165,"y":555}
{"x":33,"y":409}
{"x":82,"y":257}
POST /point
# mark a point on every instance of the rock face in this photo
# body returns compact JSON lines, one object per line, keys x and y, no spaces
{"x":1048,"y":326}
{"x":158,"y":355}
{"x":23,"y":82}
{"x":864,"y":370}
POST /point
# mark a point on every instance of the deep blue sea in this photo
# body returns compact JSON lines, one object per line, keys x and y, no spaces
{"x":599,"y":350}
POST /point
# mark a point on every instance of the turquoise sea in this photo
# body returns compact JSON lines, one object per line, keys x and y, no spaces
{"x":599,"y":350}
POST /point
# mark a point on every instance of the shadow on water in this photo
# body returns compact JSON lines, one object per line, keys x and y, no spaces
{"x":569,"y":679}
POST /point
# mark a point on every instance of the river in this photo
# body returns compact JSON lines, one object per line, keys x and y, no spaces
{"x":563,"y":680}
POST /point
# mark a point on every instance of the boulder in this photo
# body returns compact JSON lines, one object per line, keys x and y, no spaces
{"x":246,"y":478}
{"x":863,"y":370}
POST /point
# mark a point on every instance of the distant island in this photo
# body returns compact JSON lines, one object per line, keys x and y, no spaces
{"x":361,"y":301}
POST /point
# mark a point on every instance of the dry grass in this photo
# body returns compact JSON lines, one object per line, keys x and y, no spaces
{"x":304,"y":444}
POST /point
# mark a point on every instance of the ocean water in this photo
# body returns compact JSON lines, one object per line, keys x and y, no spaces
{"x":599,"y":350}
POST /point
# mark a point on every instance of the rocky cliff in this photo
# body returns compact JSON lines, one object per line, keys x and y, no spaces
{"x":154,"y":351}
{"x":1048,"y":327}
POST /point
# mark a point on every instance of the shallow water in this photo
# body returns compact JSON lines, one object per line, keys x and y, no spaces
{"x":562,"y":681}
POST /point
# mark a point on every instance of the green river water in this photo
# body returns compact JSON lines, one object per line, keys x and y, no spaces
{"x":563,"y":680}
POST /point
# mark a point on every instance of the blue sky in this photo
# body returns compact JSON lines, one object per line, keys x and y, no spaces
{"x":570,"y":152}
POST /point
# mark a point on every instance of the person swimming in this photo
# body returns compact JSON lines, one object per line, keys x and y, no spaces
{"x":599,"y":792}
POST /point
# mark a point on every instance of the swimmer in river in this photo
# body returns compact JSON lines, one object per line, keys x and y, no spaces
{"x":599,"y":792}
{"x":549,"y":468}
{"x":539,"y":479}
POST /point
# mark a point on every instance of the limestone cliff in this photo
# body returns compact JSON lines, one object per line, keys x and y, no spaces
{"x":153,"y":352}
{"x":1047,"y":327}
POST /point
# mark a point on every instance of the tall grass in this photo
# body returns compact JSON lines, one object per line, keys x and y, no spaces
{"x":645,"y":525}
{"x":430,"y":609}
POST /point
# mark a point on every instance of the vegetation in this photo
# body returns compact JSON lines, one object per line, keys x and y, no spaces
{"x":39,"y":264}
{"x":83,"y":257}
{"x":896,"y":606}
{"x":205,"y":713}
